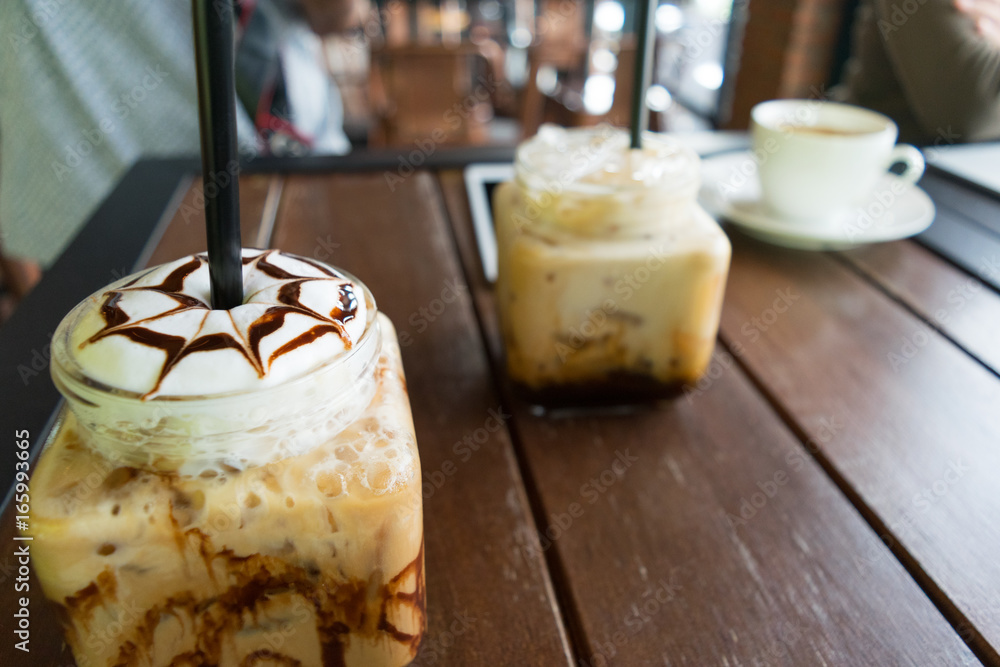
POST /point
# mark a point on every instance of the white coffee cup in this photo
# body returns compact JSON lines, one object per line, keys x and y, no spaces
{"x":818,"y":158}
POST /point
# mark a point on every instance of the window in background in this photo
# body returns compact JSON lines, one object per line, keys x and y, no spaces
{"x":693,"y":37}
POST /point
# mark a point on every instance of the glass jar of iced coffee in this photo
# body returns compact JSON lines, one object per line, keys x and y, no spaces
{"x":232,"y":487}
{"x":611,"y":275}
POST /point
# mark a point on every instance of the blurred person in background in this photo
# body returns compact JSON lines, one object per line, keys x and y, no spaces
{"x":87,"y":87}
{"x":933,"y":66}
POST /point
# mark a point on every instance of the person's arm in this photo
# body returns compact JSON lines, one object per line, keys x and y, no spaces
{"x":949,"y":72}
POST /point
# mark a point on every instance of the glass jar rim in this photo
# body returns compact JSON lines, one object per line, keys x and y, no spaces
{"x":614,"y":138}
{"x":192,"y":434}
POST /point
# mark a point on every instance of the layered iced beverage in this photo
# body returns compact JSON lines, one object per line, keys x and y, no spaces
{"x":233,"y":487}
{"x":611,"y":275}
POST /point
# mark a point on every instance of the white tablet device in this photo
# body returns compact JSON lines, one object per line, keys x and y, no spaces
{"x":480,"y":180}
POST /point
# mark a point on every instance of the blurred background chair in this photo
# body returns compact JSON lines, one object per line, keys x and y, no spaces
{"x":430,"y":91}
{"x":562,"y":61}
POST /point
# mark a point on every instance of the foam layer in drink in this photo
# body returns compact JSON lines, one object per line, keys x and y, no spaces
{"x":601,"y":157}
{"x":610,"y":273}
{"x":156,"y":334}
{"x":317,"y":558}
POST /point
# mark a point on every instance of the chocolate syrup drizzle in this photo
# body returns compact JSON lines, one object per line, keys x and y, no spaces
{"x":342,"y":607}
{"x":176,"y":348}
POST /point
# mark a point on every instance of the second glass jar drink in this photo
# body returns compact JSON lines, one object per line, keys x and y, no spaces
{"x":611,"y":275}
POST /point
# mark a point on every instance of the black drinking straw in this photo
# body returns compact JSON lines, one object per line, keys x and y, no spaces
{"x":643,"y":72}
{"x":214,"y":55}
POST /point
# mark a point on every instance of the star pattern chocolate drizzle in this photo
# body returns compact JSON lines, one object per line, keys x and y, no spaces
{"x":118,"y":323}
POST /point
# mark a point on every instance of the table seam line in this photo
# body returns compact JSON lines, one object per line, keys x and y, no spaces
{"x":950,"y":612}
{"x":565,"y":607}
{"x":889,"y":293}
{"x":269,"y":215}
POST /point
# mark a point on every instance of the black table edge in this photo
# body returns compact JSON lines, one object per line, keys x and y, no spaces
{"x":394,"y":161}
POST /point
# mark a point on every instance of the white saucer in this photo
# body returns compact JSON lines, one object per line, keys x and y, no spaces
{"x":895,"y":210}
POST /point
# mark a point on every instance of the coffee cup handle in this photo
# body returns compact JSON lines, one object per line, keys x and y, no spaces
{"x":911,"y":159}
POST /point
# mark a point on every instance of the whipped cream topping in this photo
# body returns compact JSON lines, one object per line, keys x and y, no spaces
{"x":157,"y":335}
{"x":601,"y":157}
{"x":587,"y":183}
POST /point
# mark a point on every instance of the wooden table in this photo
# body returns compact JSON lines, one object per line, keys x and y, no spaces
{"x":828,"y":495}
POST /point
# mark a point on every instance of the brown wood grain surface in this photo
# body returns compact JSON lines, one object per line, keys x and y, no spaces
{"x":960,"y":305}
{"x":185,"y":233}
{"x":701,"y":531}
{"x":487,"y":604}
{"x":826,"y":495}
{"x":904,"y":420}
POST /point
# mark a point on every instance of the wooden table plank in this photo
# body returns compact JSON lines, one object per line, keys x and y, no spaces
{"x":185,"y":233}
{"x":917,"y":436}
{"x":475,"y":511}
{"x":701,"y":532}
{"x":948,"y":299}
